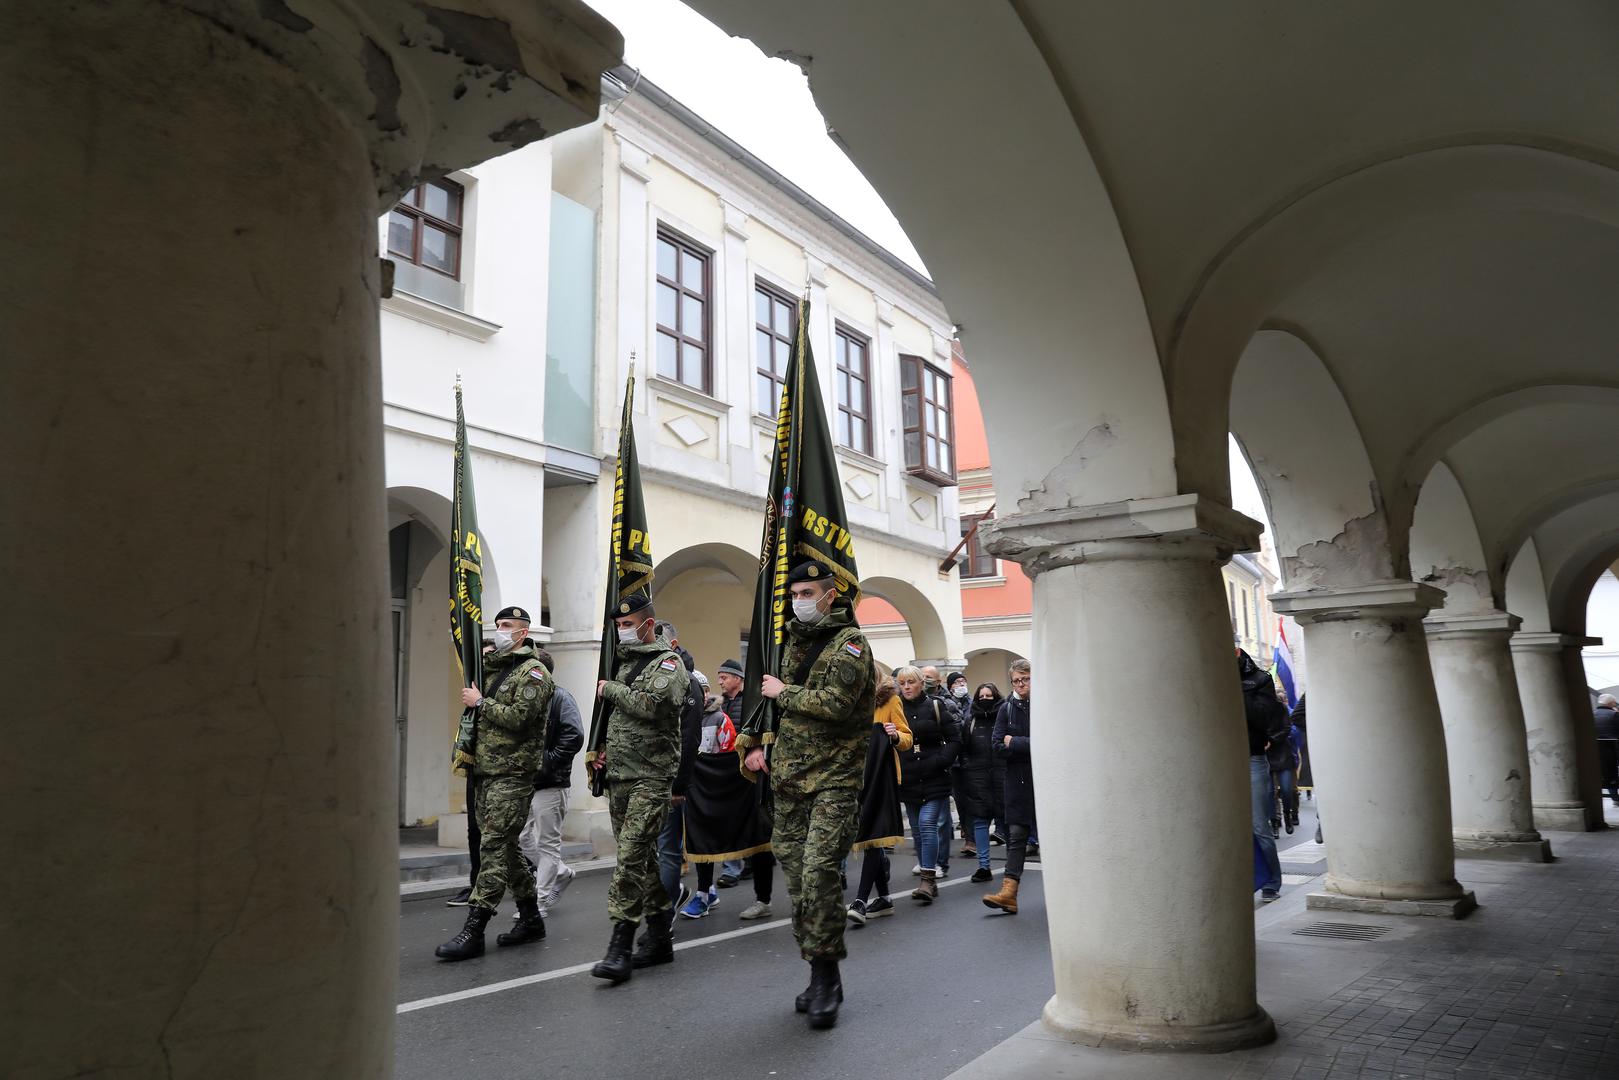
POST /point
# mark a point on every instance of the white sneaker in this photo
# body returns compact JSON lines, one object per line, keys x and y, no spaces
{"x":565,"y":878}
{"x":756,"y":910}
{"x":916,"y":871}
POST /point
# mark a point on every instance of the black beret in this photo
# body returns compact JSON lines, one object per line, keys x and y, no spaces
{"x":629,"y":605}
{"x":810,"y":570}
{"x":512,"y":613}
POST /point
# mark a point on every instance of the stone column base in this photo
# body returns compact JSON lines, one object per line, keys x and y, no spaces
{"x":1536,"y":851}
{"x":1450,"y":908}
{"x":1561,"y":818}
{"x":1255,"y":1030}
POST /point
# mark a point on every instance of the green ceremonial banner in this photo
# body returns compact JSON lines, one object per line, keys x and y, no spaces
{"x":804,"y":518}
{"x":466,"y":588}
{"x":629,"y":568}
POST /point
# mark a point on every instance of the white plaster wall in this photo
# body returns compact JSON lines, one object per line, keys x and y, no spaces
{"x":1602,"y":620}
{"x":1526,"y":590}
{"x":1307,"y":455}
{"x":1445,"y":548}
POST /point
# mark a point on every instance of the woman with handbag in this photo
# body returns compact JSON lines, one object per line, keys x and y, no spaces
{"x":925,"y":772}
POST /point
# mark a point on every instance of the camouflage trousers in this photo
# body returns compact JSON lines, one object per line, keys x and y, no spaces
{"x":501,"y":810}
{"x":638,"y":808}
{"x":812,"y":837}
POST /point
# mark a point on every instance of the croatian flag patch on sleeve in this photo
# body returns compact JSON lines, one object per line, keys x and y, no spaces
{"x":668,"y":663}
{"x":853,"y":648}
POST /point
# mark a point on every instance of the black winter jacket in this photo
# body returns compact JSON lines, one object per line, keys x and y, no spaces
{"x":977,"y":773}
{"x":925,"y":770}
{"x":564,"y":737}
{"x":1266,"y":716}
{"x":1607,"y":721}
{"x":1013,"y":720}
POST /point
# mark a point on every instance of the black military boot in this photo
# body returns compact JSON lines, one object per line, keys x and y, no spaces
{"x":528,"y":927}
{"x":657,"y":945}
{"x":802,"y":1001}
{"x":826,"y":992}
{"x":615,"y":966}
{"x":469,"y":942}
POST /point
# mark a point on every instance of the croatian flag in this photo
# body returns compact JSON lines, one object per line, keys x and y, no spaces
{"x":1283,"y":668}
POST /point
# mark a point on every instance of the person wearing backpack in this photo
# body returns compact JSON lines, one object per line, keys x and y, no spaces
{"x":1267,"y":725}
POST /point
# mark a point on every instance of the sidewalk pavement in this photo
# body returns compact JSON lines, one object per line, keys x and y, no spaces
{"x":1525,"y":987}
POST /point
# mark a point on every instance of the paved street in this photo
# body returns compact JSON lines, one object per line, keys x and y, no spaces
{"x":956,"y":976}
{"x":929,"y":989}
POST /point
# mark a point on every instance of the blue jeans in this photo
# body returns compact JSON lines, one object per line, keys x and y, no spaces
{"x":1263,"y":803}
{"x":947,"y":836}
{"x":672,"y":851}
{"x":981,"y":840}
{"x":925,"y":829}
{"x":1287,"y":782}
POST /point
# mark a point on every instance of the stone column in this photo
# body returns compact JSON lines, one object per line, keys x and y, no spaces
{"x":1490,"y":806}
{"x":1377,"y":748}
{"x":1553,"y":736}
{"x":1588,"y":767}
{"x":1134,"y":679}
{"x":204,"y":779}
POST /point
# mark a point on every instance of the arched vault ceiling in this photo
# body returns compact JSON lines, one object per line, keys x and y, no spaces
{"x":1575,"y":547}
{"x":1421,"y":324}
{"x":1205,"y":119}
{"x":1526,"y":466}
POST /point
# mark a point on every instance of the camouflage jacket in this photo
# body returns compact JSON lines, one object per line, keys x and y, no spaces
{"x":643,"y":732}
{"x":824,"y":725}
{"x":510,"y":723}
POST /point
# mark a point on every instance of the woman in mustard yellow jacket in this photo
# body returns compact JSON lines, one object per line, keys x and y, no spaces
{"x":881,"y":820}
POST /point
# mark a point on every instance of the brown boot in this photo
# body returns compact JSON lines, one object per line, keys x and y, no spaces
{"x":929,"y":889}
{"x":1006,"y":899}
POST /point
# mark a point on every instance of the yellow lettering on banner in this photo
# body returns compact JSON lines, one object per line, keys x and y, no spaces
{"x":471,"y":544}
{"x":638,"y":541}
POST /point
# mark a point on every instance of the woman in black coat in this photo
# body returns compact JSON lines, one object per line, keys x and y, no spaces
{"x":925,"y":772}
{"x":1011,"y":741}
{"x":977,"y":773}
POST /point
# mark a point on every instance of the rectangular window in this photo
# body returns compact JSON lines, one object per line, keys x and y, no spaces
{"x":682,"y":311}
{"x":1245,"y":631}
{"x":929,"y":423}
{"x":425,"y":227}
{"x":979,"y":563}
{"x":773,"y":317}
{"x":1231,"y":604}
{"x":853,"y":377}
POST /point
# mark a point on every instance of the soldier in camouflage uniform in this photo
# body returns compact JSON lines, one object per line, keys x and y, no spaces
{"x":647,"y":694}
{"x":816,"y":765}
{"x":508,"y":752}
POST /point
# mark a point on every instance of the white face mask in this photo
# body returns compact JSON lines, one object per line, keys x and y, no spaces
{"x":960,"y":691}
{"x":808,"y":611}
{"x":505,"y":640}
{"x":629,"y":635}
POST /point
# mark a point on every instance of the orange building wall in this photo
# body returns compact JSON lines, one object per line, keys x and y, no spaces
{"x":1016,"y":596}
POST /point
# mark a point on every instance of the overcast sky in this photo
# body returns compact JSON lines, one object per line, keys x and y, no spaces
{"x":763,"y":104}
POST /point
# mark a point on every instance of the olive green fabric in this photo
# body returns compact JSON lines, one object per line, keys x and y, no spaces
{"x":643,"y":729}
{"x":510,"y":722}
{"x":502,"y":804}
{"x":812,"y":837}
{"x":825,"y":724}
{"x":638,"y":809}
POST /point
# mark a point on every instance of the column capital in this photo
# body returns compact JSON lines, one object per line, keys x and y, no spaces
{"x":815,"y":269}
{"x":570,"y":640}
{"x":1470,"y":623}
{"x":1553,"y":641}
{"x":1375,"y":599}
{"x":634,"y":159}
{"x":736,"y":219}
{"x":1176,"y":527}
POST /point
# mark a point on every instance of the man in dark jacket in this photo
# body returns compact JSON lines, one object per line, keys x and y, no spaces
{"x":1267,"y":724}
{"x":542,"y":836}
{"x":936,"y":687}
{"x":1607,"y":724}
{"x":730,"y":686}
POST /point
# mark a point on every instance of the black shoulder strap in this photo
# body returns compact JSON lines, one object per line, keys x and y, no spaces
{"x":514,"y":669}
{"x":801,"y":675}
